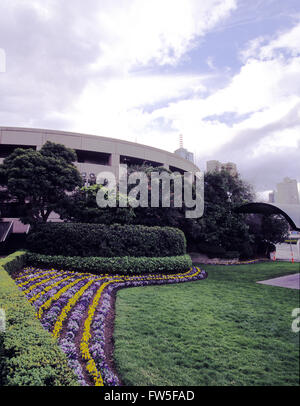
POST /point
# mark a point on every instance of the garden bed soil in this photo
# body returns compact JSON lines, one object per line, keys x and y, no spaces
{"x":109,"y":334}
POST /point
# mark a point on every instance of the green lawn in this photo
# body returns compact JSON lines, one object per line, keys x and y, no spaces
{"x":225,"y":330}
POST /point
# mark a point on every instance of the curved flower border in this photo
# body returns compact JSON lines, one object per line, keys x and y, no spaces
{"x":65,"y":300}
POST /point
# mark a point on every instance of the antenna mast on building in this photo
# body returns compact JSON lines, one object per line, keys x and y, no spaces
{"x":180,"y":141}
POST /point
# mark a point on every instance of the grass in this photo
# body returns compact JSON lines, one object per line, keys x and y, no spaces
{"x":225,"y":330}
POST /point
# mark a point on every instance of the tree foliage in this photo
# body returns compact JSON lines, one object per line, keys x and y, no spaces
{"x":47,"y":180}
{"x":221,"y":231}
{"x":220,"y":225}
{"x":38,"y":181}
{"x":82,"y":207}
{"x":267,"y":230}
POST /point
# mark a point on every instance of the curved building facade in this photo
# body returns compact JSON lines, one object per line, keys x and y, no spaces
{"x":95,"y":154}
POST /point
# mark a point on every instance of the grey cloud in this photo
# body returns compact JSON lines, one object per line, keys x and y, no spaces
{"x":250,"y":137}
{"x":48,"y":62}
{"x":267,"y":169}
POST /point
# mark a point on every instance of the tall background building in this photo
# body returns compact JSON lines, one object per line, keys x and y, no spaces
{"x":216,"y":166}
{"x":286,"y":193}
{"x":183,"y":152}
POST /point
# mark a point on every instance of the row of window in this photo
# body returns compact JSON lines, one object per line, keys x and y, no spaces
{"x":90,"y":157}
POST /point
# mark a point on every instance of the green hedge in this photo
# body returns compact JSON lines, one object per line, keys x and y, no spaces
{"x":29,"y":356}
{"x":13,"y":262}
{"x":91,"y":240}
{"x":117,"y":265}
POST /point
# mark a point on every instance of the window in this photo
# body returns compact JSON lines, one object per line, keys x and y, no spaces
{"x":92,"y":157}
{"x":131,"y":161}
{"x":7,"y":149}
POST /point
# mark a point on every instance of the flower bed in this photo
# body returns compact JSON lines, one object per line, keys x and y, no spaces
{"x":75,"y":308}
{"x":29,"y":355}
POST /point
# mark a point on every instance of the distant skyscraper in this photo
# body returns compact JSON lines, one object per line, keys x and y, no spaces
{"x":286,"y":193}
{"x":271,"y":197}
{"x":213,"y":166}
{"x":183,"y":152}
{"x":216,"y":166}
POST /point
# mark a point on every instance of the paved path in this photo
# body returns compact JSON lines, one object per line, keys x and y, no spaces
{"x":289,"y":281}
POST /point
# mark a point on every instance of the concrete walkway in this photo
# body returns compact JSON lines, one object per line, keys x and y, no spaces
{"x":289,"y":281}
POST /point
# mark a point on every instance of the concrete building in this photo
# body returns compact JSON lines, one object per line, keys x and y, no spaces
{"x":286,"y":193}
{"x":271,"y":197}
{"x":216,"y":166}
{"x":185,"y":154}
{"x":95,"y":154}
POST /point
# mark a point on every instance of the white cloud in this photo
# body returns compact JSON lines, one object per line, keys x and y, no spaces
{"x":122,"y":107}
{"x":264,"y":91}
{"x":284,"y":44}
{"x":140,"y":32}
{"x":89,"y":66}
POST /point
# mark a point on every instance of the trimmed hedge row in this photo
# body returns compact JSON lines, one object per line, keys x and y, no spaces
{"x":29,"y":356}
{"x":99,"y":240}
{"x":117,"y":265}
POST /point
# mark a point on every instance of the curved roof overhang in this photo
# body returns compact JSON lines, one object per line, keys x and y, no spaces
{"x":291,"y":212}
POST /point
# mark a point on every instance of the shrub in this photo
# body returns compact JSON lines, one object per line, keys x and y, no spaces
{"x":90,"y":240}
{"x":231,"y":254}
{"x":246,"y":251}
{"x":117,"y":265}
{"x":29,"y":356}
{"x":264,"y":248}
{"x":211,"y":251}
{"x":13,"y":262}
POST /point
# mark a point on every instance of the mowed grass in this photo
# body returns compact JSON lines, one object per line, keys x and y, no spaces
{"x":225,"y":330}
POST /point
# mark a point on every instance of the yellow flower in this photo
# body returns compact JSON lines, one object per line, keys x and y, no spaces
{"x":53,"y":285}
{"x":47,"y":304}
{"x":69,"y":305}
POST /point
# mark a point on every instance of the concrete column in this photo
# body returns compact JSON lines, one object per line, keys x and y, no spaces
{"x":114,"y":162}
{"x":114,"y":159}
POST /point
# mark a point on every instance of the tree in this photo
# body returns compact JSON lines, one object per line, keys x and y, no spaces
{"x":156,"y":216}
{"x":39,"y":181}
{"x":219,"y":231}
{"x":220,"y":226}
{"x":267,"y":230}
{"x":81,"y":207}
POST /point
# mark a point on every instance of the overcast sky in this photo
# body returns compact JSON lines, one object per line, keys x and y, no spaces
{"x":224,"y":73}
